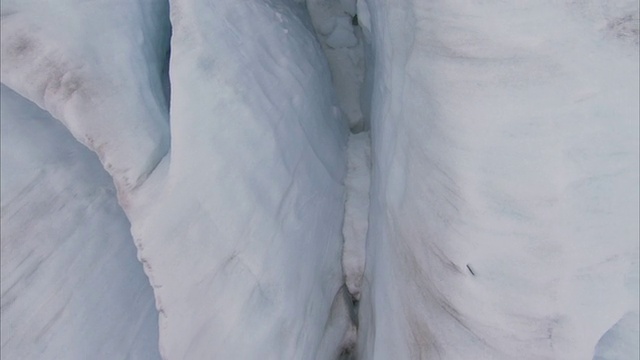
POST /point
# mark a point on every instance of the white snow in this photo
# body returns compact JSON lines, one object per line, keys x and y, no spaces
{"x":72,"y":287}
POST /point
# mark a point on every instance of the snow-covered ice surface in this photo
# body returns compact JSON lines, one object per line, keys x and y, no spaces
{"x":97,"y":67}
{"x":621,"y":341}
{"x":72,"y":287}
{"x":242,"y":240}
{"x":343,"y":48}
{"x":239,"y":227}
{"x":504,"y":210}
{"x":356,"y":217}
{"x":503,"y":193}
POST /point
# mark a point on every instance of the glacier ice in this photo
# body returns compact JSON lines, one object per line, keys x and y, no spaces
{"x":343,"y":47}
{"x":95,"y":66}
{"x":242,"y":240}
{"x":72,"y":287}
{"x":504,"y":207}
{"x":356,"y":217}
{"x":493,"y":214}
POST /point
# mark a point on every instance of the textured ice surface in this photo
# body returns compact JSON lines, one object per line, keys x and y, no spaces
{"x":343,"y":48}
{"x":504,"y":217}
{"x":342,"y":35}
{"x":239,"y":228}
{"x":242,"y":239}
{"x":504,"y":188}
{"x":621,"y":341}
{"x":97,"y":67}
{"x":72,"y":287}
{"x":356,"y":217}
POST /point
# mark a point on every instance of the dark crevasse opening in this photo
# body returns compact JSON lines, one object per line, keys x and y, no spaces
{"x":337,"y":28}
{"x":343,"y":41}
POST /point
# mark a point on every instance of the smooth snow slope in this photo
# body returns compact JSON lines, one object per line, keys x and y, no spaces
{"x":72,"y":287}
{"x":504,"y":219}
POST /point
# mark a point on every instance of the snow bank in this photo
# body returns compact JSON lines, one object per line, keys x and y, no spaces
{"x":504,"y":217}
{"x":72,"y":287}
{"x":242,"y":239}
{"x":95,"y":66}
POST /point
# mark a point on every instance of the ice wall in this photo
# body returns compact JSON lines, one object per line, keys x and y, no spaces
{"x":72,"y":287}
{"x":237,"y":222}
{"x":504,"y":198}
{"x":504,"y":209}
{"x":240,"y":230}
{"x":95,"y":66}
{"x":337,"y":30}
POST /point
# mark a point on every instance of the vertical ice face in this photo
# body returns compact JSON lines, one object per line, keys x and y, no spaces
{"x":504,"y":198}
{"x":95,"y":66}
{"x":337,"y":30}
{"x":239,"y":228}
{"x":504,"y":216}
{"x":72,"y":287}
{"x":242,"y":242}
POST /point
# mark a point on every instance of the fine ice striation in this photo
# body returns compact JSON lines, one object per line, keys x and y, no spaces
{"x":239,"y":230}
{"x":504,"y":194}
{"x":72,"y":287}
{"x":97,"y":68}
{"x":320,"y":179}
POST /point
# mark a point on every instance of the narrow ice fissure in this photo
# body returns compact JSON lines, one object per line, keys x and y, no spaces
{"x":336,"y":25}
{"x":356,"y":217}
{"x":342,"y":40}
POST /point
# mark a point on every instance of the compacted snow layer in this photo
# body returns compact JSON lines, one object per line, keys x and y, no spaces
{"x":72,"y":287}
{"x":504,"y":209}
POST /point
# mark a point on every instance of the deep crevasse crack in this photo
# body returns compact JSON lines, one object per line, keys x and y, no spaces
{"x":342,"y":40}
{"x":342,"y":43}
{"x":356,"y":220}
